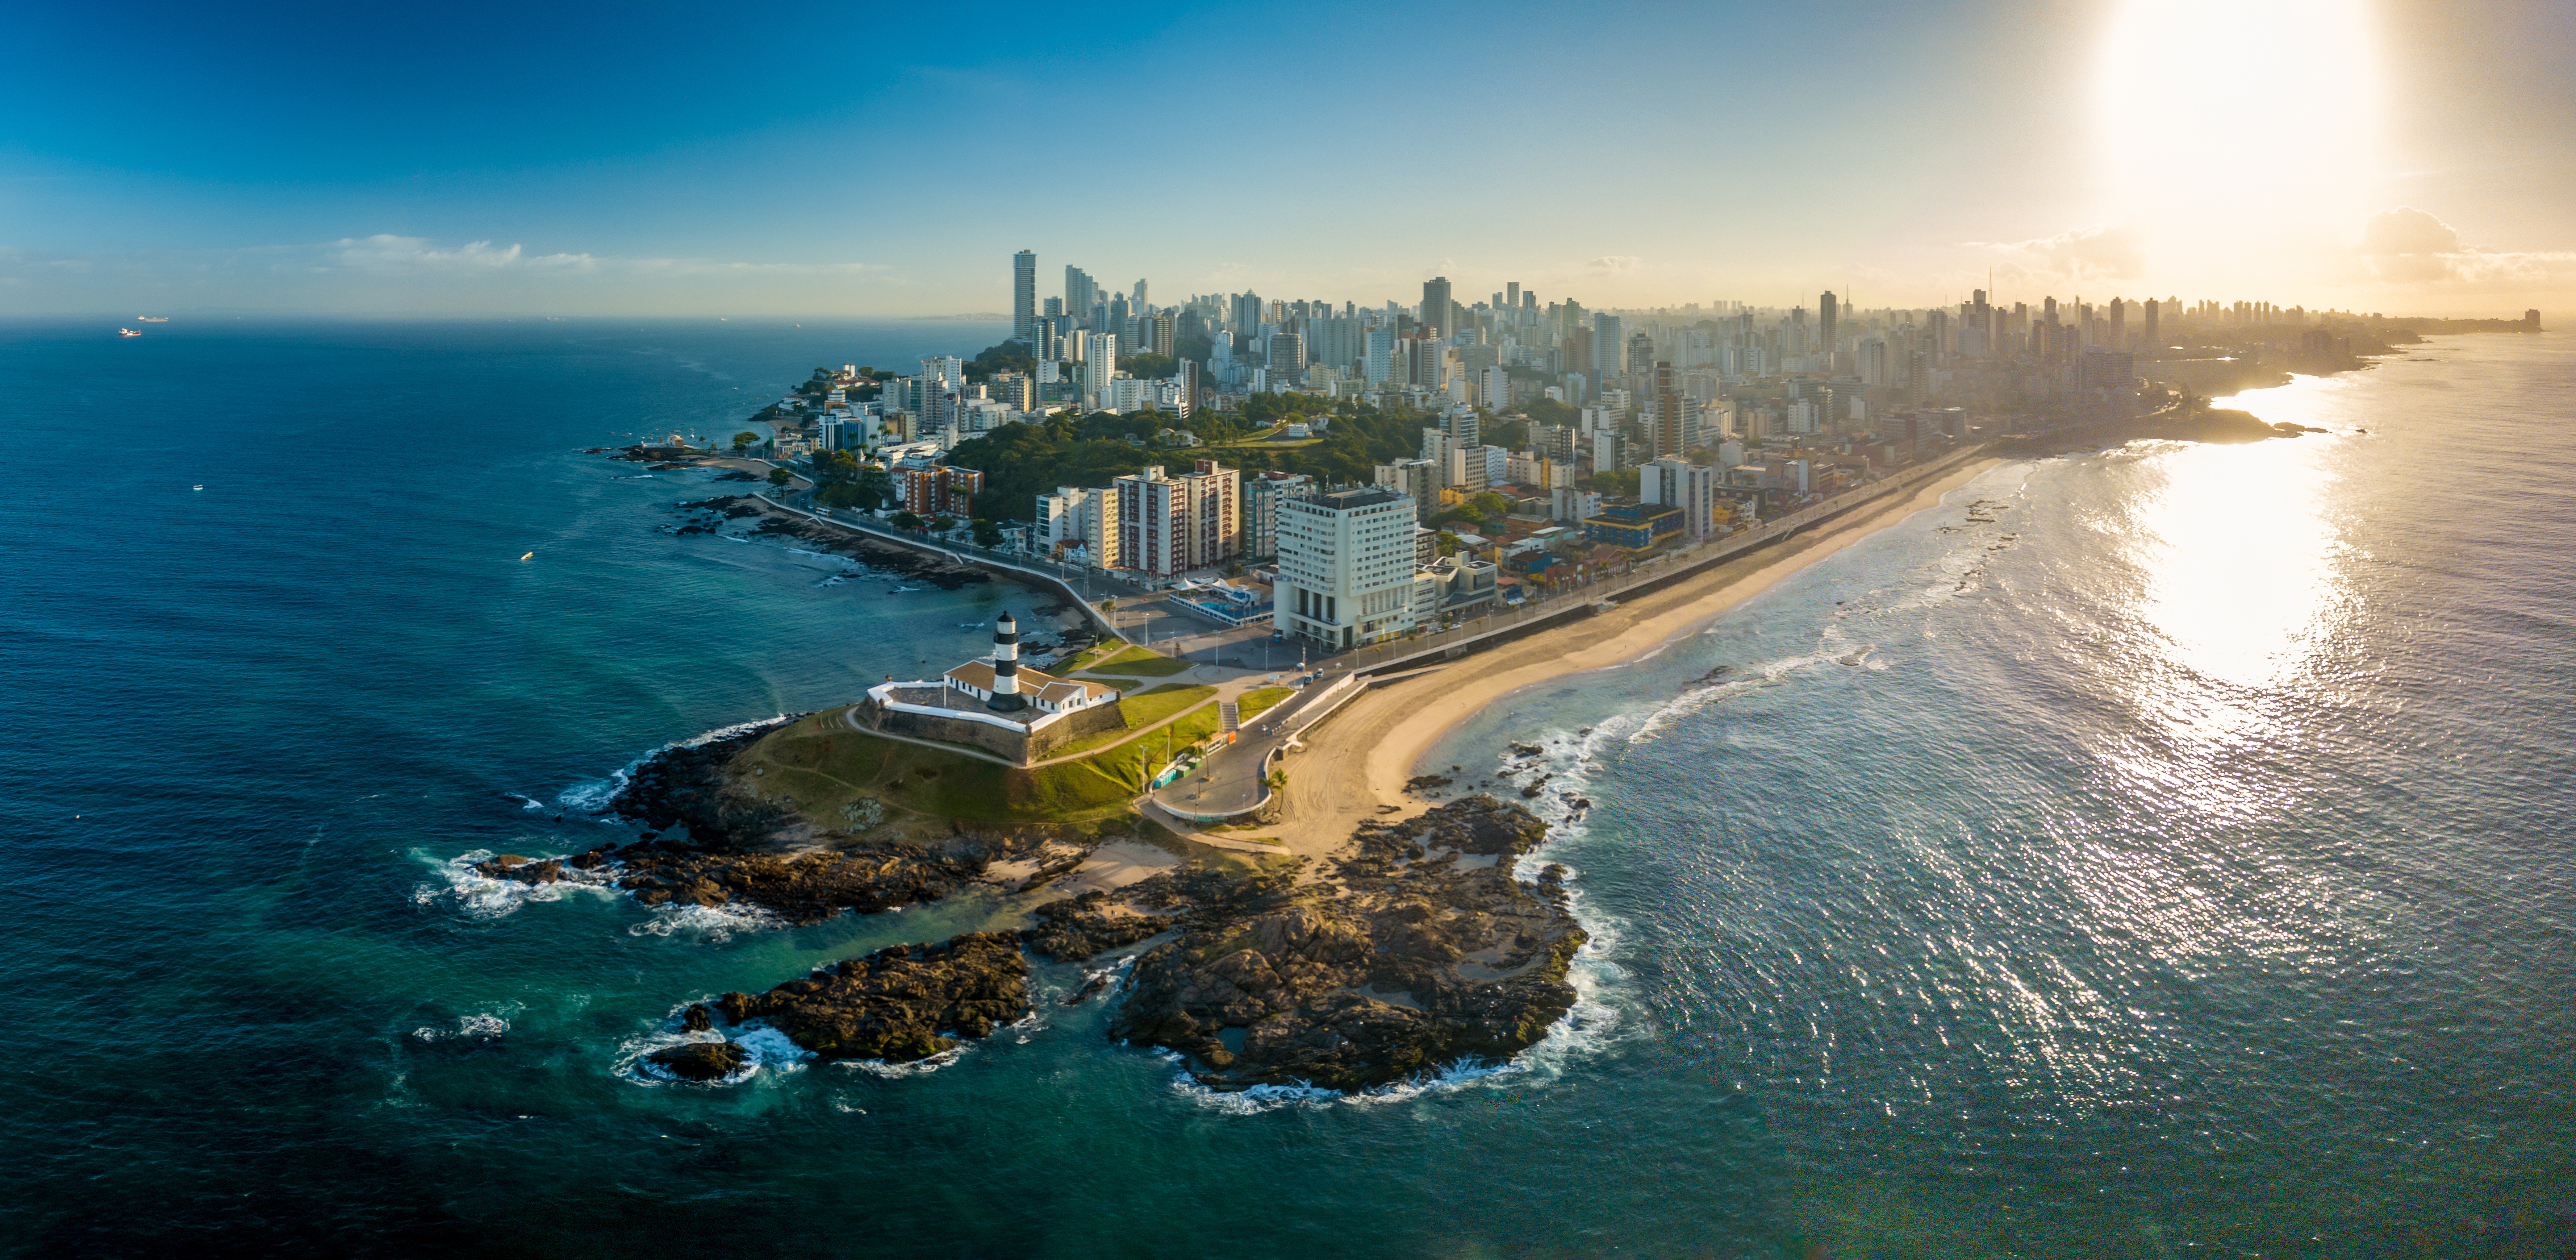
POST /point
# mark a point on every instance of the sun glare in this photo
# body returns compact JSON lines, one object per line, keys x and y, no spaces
{"x":2240,"y":136}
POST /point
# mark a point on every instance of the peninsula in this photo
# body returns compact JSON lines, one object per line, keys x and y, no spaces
{"x":1426,"y":512}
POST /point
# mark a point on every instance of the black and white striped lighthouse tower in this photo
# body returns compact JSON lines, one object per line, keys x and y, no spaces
{"x":1006,"y":664}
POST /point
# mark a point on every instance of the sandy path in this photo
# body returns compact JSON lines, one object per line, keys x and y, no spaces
{"x":1359,"y":759}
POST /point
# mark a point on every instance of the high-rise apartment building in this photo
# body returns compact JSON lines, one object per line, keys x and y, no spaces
{"x":1079,"y":292}
{"x":1287,"y":353}
{"x":1384,"y":361}
{"x":1336,"y":341}
{"x":1609,"y":348}
{"x":2150,"y":339}
{"x":1828,"y":309}
{"x":1245,"y":317}
{"x":1435,"y":307}
{"x":1685,"y":485}
{"x":1668,"y":415}
{"x":1171,"y":525}
{"x":1263,"y":493}
{"x":1345,"y":567}
{"x":1024,"y":293}
{"x":1873,"y":362}
{"x":1159,"y":333}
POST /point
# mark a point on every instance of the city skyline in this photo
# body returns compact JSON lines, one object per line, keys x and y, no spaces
{"x":2357,"y":155}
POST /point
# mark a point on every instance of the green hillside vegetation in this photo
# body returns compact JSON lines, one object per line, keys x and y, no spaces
{"x":1137,"y":662}
{"x":825,"y":765}
{"x":1023,"y":461}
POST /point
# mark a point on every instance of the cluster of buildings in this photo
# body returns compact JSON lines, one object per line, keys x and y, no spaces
{"x":1722,"y":414}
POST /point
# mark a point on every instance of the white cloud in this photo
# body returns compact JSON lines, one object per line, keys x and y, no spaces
{"x":2404,"y":245}
{"x":2085,"y":254}
{"x":1615,"y":263}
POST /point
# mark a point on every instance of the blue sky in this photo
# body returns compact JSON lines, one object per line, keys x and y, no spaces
{"x":861,"y":159}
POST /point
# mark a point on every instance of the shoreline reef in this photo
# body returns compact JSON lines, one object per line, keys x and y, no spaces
{"x":1419,"y":947}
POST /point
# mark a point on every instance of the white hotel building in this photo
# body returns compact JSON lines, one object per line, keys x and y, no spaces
{"x":1346,"y":567}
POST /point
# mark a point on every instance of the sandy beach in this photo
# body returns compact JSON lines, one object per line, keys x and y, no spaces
{"x":1357,"y":762}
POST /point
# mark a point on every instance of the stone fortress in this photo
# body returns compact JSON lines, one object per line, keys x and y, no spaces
{"x":995,"y":705}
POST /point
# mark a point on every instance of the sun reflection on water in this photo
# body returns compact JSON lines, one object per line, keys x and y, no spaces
{"x":2240,"y":560}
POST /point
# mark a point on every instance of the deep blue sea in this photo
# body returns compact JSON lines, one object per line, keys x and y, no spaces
{"x":2156,"y":852}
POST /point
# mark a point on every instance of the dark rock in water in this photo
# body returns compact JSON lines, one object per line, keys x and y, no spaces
{"x":512,"y":866}
{"x":695,"y":1019}
{"x":1421,"y":949}
{"x":1526,"y":750}
{"x":738,"y":474}
{"x":1088,"y":925}
{"x":803,"y":888}
{"x":1427,"y":782}
{"x":701,"y":1060}
{"x":898,"y":1004}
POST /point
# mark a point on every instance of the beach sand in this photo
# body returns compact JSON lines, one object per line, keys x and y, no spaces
{"x":1356,"y":763}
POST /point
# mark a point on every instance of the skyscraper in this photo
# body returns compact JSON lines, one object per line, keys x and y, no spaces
{"x":2149,"y":341}
{"x":1667,"y":431}
{"x":1828,"y":308}
{"x":1435,"y":306}
{"x":1140,"y":295}
{"x":1024,"y":293}
{"x":1079,"y":292}
{"x":1609,"y":347}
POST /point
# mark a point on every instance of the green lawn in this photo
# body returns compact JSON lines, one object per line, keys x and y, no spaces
{"x":1141,"y":710}
{"x":824,"y":764}
{"x":1254,"y":703}
{"x":1137,"y":662}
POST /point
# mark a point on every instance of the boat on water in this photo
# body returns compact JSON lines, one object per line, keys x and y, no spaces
{"x":530,"y":556}
{"x":127,"y":332}
{"x":151,"y":319}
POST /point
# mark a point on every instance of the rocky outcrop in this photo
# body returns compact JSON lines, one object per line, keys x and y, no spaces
{"x":898,"y":1004}
{"x":512,"y":866}
{"x":688,"y":786}
{"x":1420,"y":949}
{"x":1089,"y":925}
{"x":799,"y":887}
{"x":700,"y":1060}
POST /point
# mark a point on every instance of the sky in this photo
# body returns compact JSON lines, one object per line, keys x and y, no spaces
{"x":882,"y":160}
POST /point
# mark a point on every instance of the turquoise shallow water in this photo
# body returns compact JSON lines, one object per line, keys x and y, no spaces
{"x":2173,"y":862}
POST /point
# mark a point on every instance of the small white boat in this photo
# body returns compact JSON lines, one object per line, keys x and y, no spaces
{"x":530,"y":556}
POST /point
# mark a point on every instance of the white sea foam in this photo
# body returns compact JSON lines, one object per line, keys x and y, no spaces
{"x":594,"y":795}
{"x":482,"y":1026}
{"x":918,"y":1067}
{"x":527,"y":802}
{"x":481,"y":896}
{"x":713,"y":925}
{"x":764,"y":1048}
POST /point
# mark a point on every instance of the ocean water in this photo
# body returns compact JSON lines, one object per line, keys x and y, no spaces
{"x":2160,"y":851}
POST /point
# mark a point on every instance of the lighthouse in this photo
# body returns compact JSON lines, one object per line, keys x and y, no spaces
{"x":1006,"y":664}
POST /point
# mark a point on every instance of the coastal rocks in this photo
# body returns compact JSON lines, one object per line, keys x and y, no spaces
{"x":898,"y":1004}
{"x":687,"y":785}
{"x":802,"y":888}
{"x":910,"y":564}
{"x":512,"y":866}
{"x":1419,"y":950}
{"x":700,"y":1060}
{"x":1089,"y":925}
{"x":1427,"y":782}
